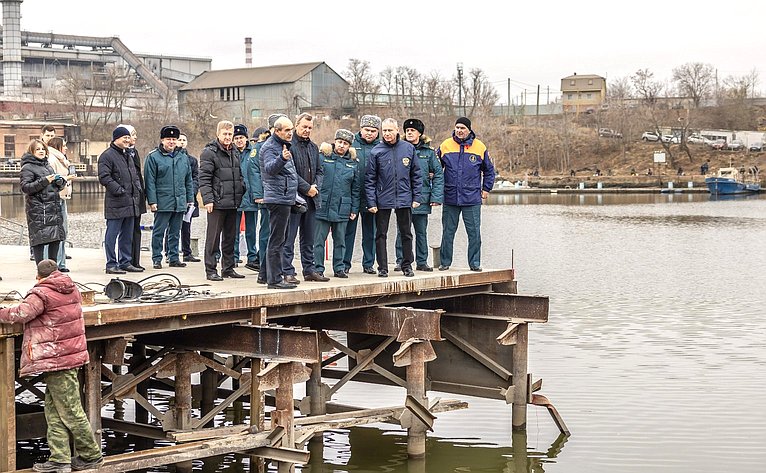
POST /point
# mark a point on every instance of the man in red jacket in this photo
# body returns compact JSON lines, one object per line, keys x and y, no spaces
{"x":54,"y":344}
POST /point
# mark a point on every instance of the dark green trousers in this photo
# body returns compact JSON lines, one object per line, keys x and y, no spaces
{"x":66,"y":418}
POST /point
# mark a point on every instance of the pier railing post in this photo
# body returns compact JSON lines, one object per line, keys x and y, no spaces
{"x":7,"y":405}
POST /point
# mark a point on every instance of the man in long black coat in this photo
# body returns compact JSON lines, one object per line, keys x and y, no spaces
{"x":124,"y":195}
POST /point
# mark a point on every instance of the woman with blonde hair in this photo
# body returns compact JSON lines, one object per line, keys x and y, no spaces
{"x":61,"y":165}
{"x":41,"y":186}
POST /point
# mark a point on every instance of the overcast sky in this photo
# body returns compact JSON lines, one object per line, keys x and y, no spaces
{"x":531,"y":43}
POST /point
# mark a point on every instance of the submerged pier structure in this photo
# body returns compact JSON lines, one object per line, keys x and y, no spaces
{"x":213,"y":346}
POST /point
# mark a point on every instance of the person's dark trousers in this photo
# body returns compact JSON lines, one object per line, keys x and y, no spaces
{"x":251,"y":235}
{"x":120,"y":232}
{"x":368,"y":240}
{"x":66,"y":419}
{"x":38,"y":251}
{"x":420,"y":223}
{"x":135,"y":245}
{"x":186,"y":238}
{"x":338,"y":244}
{"x":263,"y":241}
{"x":170,"y":222}
{"x":236,"y":239}
{"x":306,"y":224}
{"x":222,"y":227}
{"x":279,"y":219}
{"x":404,"y":224}
{"x":472,"y":221}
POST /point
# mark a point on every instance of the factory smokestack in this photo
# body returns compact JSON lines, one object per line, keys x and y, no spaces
{"x":249,"y":52}
{"x":12,"y":48}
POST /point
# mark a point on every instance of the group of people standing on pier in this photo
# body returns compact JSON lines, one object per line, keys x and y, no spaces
{"x":302,"y":192}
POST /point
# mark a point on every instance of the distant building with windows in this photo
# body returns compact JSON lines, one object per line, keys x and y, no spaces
{"x":255,"y":92}
{"x":582,"y":93}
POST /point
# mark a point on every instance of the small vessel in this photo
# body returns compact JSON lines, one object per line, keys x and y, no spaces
{"x":731,"y":181}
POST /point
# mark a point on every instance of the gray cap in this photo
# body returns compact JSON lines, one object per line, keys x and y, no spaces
{"x":344,"y":135}
{"x":372,"y":121}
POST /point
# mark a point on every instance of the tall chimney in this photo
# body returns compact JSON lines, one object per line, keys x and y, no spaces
{"x":249,"y":52}
{"x":12,"y":48}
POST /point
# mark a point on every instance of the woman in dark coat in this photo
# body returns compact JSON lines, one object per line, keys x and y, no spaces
{"x":41,"y":186}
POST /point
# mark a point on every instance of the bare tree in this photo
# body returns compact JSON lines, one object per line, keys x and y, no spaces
{"x":202,"y":111}
{"x":387,"y":79}
{"x":695,"y":80}
{"x":362,"y":83}
{"x":94,"y":101}
{"x":481,"y":94}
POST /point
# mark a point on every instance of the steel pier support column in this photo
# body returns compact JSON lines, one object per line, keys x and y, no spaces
{"x":519,"y":372}
{"x":7,"y":405}
{"x":183,"y":391}
{"x":416,"y":387}
{"x":285,"y":412}
{"x":93,"y":388}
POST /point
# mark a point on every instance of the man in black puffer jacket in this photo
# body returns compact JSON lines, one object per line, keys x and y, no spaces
{"x":222,"y":187}
{"x":122,"y":201}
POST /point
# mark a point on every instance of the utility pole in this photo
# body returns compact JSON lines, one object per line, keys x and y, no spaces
{"x":460,"y":87}
{"x":537,"y":107}
{"x":509,"y":96}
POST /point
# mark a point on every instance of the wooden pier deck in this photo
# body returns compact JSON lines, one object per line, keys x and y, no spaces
{"x":456,"y":331}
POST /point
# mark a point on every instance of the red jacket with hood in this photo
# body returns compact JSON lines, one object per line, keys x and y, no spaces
{"x":54,"y":328}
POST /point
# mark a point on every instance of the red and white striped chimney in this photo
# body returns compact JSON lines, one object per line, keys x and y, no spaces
{"x":249,"y":52}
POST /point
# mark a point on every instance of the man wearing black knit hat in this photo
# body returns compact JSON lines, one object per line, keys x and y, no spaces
{"x":122,"y":197}
{"x":468,"y":178}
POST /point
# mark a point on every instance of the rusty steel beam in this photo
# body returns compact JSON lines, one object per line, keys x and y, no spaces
{"x":403,"y":323}
{"x":276,"y":342}
{"x":511,"y":307}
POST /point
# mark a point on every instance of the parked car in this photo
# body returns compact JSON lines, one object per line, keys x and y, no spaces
{"x":609,"y":133}
{"x":718,"y":144}
{"x":670,"y":139}
{"x":756,"y":147}
{"x":695,"y":139}
{"x":735,"y":145}
{"x":650,"y":136}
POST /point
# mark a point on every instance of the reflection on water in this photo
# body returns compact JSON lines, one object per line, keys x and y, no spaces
{"x":654,"y":354}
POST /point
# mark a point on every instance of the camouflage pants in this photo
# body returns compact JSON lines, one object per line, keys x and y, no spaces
{"x":66,"y":418}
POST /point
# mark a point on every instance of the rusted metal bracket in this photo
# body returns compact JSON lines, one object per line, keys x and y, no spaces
{"x":540,"y":400}
{"x":403,"y":356}
{"x":418,"y":411}
{"x":508,"y":337}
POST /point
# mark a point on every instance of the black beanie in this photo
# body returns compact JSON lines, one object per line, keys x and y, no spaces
{"x":170,"y":131}
{"x":464,"y":121}
{"x":119,"y":132}
{"x":414,"y":123}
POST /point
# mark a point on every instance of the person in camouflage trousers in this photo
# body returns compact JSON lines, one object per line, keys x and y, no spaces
{"x":54,"y":344}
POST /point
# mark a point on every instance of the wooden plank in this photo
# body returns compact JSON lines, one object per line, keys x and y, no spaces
{"x":7,"y":405}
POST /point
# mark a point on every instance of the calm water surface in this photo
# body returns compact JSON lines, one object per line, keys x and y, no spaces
{"x":655,"y":352}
